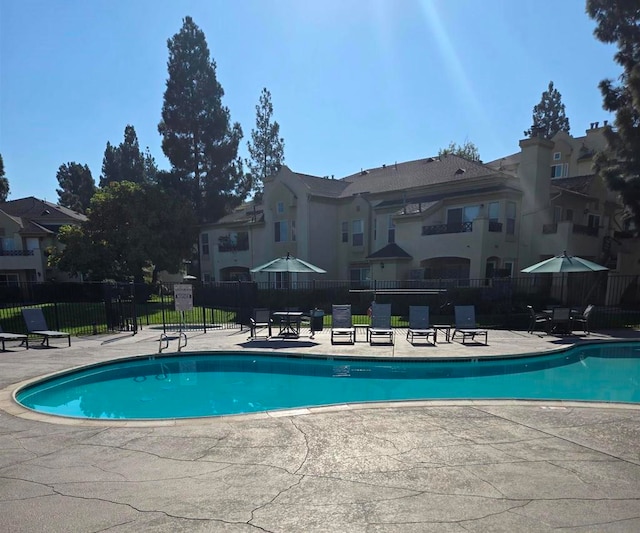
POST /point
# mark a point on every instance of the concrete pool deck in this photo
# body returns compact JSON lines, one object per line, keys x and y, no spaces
{"x":406,"y":466}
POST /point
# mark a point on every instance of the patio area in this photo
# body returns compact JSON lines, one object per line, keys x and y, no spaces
{"x":404,"y":466}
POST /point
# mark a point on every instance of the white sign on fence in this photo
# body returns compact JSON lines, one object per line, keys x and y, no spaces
{"x":183,"y":297}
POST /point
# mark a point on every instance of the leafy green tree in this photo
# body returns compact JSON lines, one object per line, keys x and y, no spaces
{"x":126,"y":162}
{"x":197,"y":137}
{"x":549,"y":115}
{"x":4,"y":183}
{"x":266,"y":147}
{"x":468,"y":150}
{"x":76,"y":186}
{"x":130,"y":226}
{"x":618,"y":21}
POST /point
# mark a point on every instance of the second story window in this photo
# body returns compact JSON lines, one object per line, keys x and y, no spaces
{"x":344,"y":230}
{"x":204,"y":238}
{"x":293,"y":230}
{"x":281,"y":231}
{"x":557,"y":156}
{"x":511,"y":218}
{"x":357,"y":233}
{"x":391,"y":237}
{"x":280,"y":207}
{"x":560,"y":171}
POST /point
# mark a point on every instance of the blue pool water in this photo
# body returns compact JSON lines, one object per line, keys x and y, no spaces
{"x":192,"y":385}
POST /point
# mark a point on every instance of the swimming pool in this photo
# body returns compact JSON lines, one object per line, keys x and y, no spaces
{"x":198,"y":385}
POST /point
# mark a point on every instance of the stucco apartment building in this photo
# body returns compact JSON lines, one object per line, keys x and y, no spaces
{"x":28,"y":227}
{"x":433,"y":218}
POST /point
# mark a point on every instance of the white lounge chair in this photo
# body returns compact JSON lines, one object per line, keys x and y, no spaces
{"x":466,"y":324}
{"x":24,"y":339}
{"x":342,"y":323}
{"x":380,"y":322}
{"x":37,"y":325}
{"x":419,"y":324}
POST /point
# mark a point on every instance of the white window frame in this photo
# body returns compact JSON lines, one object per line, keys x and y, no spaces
{"x":511,"y":218}
{"x":557,"y":156}
{"x":391,"y":231}
{"x":280,"y":207}
{"x":344,"y":231}
{"x":281,"y":231}
{"x":204,"y":243}
{"x":563,"y":169}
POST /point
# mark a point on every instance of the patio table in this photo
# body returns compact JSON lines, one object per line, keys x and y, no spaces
{"x":289,"y":323}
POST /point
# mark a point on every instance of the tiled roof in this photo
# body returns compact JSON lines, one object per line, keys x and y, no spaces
{"x":323,"y":186}
{"x":36,"y":209}
{"x":414,"y":174}
{"x":390,"y":251}
{"x":246,"y":213}
{"x":578,"y":184}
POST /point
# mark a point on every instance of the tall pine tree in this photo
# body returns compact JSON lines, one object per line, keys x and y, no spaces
{"x":618,"y":21}
{"x":76,"y":186}
{"x":197,"y":137}
{"x":126,"y":162}
{"x":548,"y":116}
{"x":266,"y":147}
{"x":4,"y":183}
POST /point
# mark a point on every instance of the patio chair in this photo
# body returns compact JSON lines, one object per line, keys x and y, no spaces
{"x":24,"y":339}
{"x":466,"y":324}
{"x":37,"y":325}
{"x":537,"y":318}
{"x":260,"y":322}
{"x":583,"y":319}
{"x":381,"y":322}
{"x":419,"y":323}
{"x":341,"y":323}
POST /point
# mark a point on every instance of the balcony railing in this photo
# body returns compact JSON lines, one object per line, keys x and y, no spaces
{"x":495,"y":226}
{"x":440,"y":229}
{"x":16,"y":253}
{"x":585,"y":230}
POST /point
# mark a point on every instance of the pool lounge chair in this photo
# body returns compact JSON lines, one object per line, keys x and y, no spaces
{"x":260,"y":322}
{"x":466,"y":324}
{"x":381,"y":322}
{"x":24,"y":339}
{"x":419,"y":324}
{"x":37,"y":325}
{"x":341,"y":323}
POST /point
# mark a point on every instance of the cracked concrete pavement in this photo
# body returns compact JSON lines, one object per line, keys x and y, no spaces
{"x":467,"y":466}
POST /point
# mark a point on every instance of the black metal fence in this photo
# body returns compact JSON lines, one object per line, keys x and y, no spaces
{"x":91,"y":308}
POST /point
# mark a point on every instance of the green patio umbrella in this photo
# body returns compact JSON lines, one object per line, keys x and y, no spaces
{"x":563,"y":264}
{"x":289,"y":264}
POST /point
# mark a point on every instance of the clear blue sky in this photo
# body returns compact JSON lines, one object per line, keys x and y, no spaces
{"x":354,"y":83}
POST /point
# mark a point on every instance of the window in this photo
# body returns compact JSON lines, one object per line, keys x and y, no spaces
{"x":204,"y":238}
{"x":375,"y":229}
{"x":557,"y":213}
{"x":281,"y":231}
{"x":345,"y":231}
{"x":357,"y":234}
{"x":293,"y":230}
{"x":507,"y":269}
{"x":359,"y":274}
{"x":9,"y":279}
{"x":557,"y":156}
{"x":391,"y":233}
{"x":568,"y":214}
{"x":6,"y":244}
{"x":280,"y":207}
{"x":560,"y":171}
{"x":494,"y":212}
{"x":511,"y":218}
{"x":593,"y":221}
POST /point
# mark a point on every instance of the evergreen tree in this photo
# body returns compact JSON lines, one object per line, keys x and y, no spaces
{"x":468,"y":150}
{"x":197,"y":137}
{"x":266,"y":147}
{"x":76,"y":186}
{"x":548,"y":116}
{"x":618,"y":21}
{"x":4,"y":183}
{"x":126,"y":162}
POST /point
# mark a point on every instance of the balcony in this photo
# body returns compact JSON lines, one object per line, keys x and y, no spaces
{"x":16,"y":253}
{"x":441,"y":229}
{"x":495,"y":227}
{"x":240,"y":244}
{"x":585,"y":230}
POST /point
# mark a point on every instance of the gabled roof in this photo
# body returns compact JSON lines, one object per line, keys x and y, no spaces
{"x":326,"y":187}
{"x":246,"y":213}
{"x":415,"y":174}
{"x":35,"y":209}
{"x":390,"y":251}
